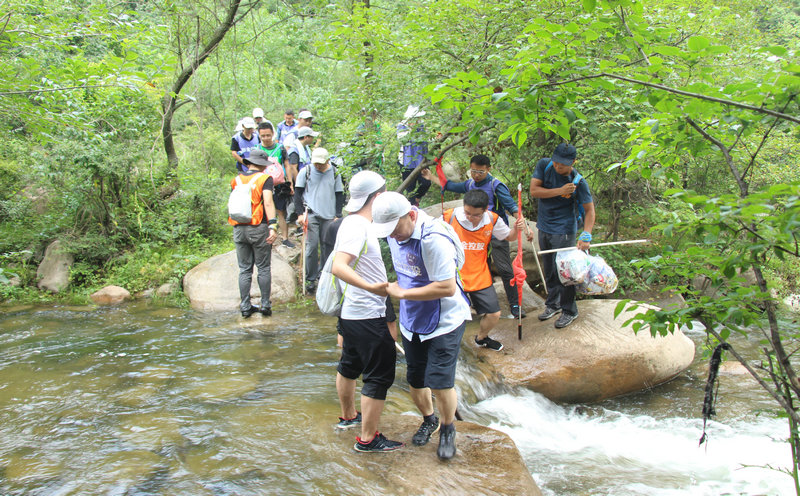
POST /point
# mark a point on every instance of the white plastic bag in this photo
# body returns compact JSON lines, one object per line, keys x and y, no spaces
{"x":572,"y":266}
{"x":329,"y":293}
{"x":600,"y":279}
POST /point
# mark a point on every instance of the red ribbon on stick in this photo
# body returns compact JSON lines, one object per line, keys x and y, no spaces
{"x":519,"y":271}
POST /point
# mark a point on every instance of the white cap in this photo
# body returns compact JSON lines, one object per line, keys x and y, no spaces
{"x":257,"y":112}
{"x":304,"y":131}
{"x":413,"y":111}
{"x":319,"y":156}
{"x":248,"y":123}
{"x":305,"y":114}
{"x":362,"y":185}
{"x":386,"y":211}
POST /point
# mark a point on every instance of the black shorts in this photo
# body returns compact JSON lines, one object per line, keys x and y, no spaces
{"x":390,"y":315}
{"x":281,"y":195}
{"x":432,"y":363}
{"x":368,"y":350}
{"x":484,"y":300}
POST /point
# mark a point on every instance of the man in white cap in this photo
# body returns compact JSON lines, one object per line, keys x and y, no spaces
{"x":368,"y":346}
{"x":319,"y":192}
{"x":258,"y":116}
{"x":427,"y":255}
{"x":300,"y":150}
{"x":244,"y":141}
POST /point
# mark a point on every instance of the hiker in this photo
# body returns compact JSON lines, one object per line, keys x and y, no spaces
{"x":476,"y":226}
{"x":287,"y":127}
{"x":561,"y":192}
{"x":282,"y":189}
{"x":254,"y":239}
{"x":368,"y":346}
{"x":500,"y":202}
{"x":243,"y":142}
{"x":426,"y":255}
{"x":410,"y":133}
{"x":258,"y":116}
{"x":320,"y":189}
{"x":300,"y":151}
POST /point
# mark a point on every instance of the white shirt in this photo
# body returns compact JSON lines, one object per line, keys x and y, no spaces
{"x":439,"y":256}
{"x":500,"y":230}
{"x":360,"y":304}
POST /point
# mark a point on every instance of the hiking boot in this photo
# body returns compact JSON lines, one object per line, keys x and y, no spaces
{"x":266,"y":312}
{"x":311,"y":287}
{"x":548,"y":313}
{"x":425,"y":431}
{"x":447,"y":442}
{"x":379,"y":443}
{"x":515,"y":311}
{"x":488,"y":342}
{"x":250,"y":311}
{"x":345,"y":424}
{"x":288,"y":243}
{"x":565,"y":320}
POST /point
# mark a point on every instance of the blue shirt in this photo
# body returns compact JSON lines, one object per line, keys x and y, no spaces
{"x":557,"y":214}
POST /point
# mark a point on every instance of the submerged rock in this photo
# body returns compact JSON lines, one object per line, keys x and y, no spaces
{"x":53,"y":272}
{"x":110,"y":295}
{"x":593,"y":359}
{"x":214,"y":284}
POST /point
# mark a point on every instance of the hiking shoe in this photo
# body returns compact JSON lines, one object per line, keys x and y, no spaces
{"x":425,"y":431}
{"x":266,"y":312}
{"x":379,"y":443}
{"x":247,"y":313}
{"x":488,"y":342}
{"x":288,"y":243}
{"x":515,"y":311}
{"x":311,"y":287}
{"x":565,"y":320}
{"x":548,"y":313}
{"x":447,"y":442}
{"x":345,"y":424}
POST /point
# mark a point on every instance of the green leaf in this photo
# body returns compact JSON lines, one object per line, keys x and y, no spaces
{"x":698,"y":43}
{"x":589,"y":5}
{"x":776,"y":50}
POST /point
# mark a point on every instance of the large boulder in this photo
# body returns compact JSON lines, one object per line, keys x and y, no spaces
{"x":593,"y":359}
{"x":214,"y":284}
{"x":110,"y":295}
{"x":486,"y":462}
{"x":53,"y":272}
{"x":531,"y":302}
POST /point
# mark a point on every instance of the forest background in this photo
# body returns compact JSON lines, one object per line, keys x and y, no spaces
{"x":116,"y":119}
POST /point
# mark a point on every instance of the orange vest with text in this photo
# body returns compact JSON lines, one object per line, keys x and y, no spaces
{"x":475,"y":274}
{"x":256,"y":198}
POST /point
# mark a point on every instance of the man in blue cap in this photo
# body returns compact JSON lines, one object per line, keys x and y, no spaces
{"x":562,"y":194}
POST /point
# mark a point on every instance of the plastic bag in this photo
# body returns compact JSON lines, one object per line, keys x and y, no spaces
{"x":572,"y":266}
{"x":600,"y":279}
{"x":330,"y":294}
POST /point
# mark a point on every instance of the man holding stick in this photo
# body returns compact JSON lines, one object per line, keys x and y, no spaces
{"x":561,"y":192}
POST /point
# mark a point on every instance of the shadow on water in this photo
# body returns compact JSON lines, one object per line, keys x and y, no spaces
{"x":147,"y":400}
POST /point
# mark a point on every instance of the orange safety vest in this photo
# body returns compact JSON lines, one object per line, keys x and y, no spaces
{"x":475,"y":274}
{"x":257,"y":198}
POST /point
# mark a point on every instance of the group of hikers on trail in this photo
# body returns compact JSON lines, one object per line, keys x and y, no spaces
{"x":442,"y":264}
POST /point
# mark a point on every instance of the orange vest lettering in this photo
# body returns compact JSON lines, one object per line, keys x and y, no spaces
{"x":475,"y":274}
{"x":257,"y":197}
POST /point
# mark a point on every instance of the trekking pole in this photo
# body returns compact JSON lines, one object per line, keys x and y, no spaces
{"x":303,"y":251}
{"x":598,"y":245}
{"x":519,"y":272}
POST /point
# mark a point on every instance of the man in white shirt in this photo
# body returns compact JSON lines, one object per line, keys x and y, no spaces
{"x":368,"y":348}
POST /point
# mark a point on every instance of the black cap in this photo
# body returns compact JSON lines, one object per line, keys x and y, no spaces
{"x":564,"y":154}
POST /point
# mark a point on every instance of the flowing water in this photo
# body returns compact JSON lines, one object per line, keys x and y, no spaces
{"x":146,"y":400}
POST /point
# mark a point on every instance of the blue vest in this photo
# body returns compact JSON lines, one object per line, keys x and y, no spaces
{"x":413,"y":151}
{"x":303,"y":155}
{"x":245,"y":146}
{"x":489,"y":188}
{"x":284,"y":131}
{"x":420,"y":317}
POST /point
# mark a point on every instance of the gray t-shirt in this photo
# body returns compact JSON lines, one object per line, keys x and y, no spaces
{"x":320,"y":190}
{"x":360,"y":304}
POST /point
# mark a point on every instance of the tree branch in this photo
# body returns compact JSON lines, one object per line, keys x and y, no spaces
{"x":621,"y":15}
{"x":725,"y":152}
{"x":764,"y":139}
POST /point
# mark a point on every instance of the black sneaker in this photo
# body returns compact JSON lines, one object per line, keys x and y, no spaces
{"x":488,"y":342}
{"x":266,"y":312}
{"x":425,"y":431}
{"x":345,"y":424}
{"x":447,"y":442}
{"x":515,"y":310}
{"x":250,"y":311}
{"x":311,"y":287}
{"x":565,"y":320}
{"x":288,"y":243}
{"x":548,"y":313}
{"x":378,"y":443}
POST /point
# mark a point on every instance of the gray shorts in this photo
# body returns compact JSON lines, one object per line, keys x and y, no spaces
{"x":484,"y":300}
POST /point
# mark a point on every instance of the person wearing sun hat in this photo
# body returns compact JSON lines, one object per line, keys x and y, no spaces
{"x":426,"y":254}
{"x":244,"y":141}
{"x":367,"y":346}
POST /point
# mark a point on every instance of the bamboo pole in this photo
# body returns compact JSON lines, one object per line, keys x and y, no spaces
{"x":611,"y":243}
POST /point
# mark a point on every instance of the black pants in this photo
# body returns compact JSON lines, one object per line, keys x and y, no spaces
{"x":500,"y":257}
{"x":421,"y":184}
{"x":558,"y":295}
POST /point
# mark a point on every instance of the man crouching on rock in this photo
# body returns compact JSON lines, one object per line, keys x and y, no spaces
{"x":368,"y":347}
{"x":427,"y":255}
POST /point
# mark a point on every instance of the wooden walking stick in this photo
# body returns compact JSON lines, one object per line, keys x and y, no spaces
{"x":303,"y":251}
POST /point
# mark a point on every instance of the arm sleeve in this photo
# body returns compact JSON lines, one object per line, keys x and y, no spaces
{"x":501,"y":229}
{"x":584,"y":195}
{"x":456,"y":187}
{"x":339,"y":203}
{"x":234,"y":145}
{"x":439,"y":256}
{"x":294,"y":158}
{"x":353,"y":243}
{"x":505,"y":199}
{"x":338,"y":187}
{"x":538,"y":171}
{"x":298,"y":199}
{"x":268,"y":184}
